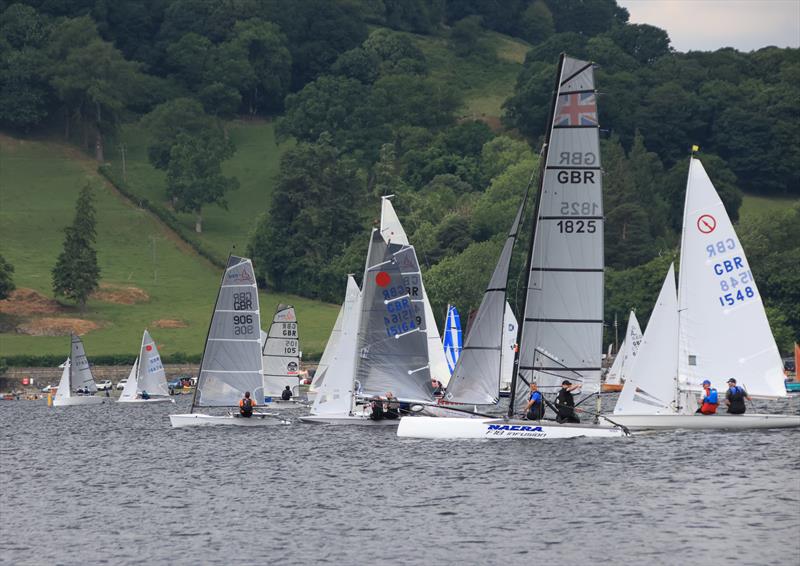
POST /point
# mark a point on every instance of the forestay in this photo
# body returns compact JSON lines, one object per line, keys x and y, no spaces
{"x":476,"y":378}
{"x":627,"y":352}
{"x":281,"y":352}
{"x":392,"y":344}
{"x":650,"y":385}
{"x":335,"y":395}
{"x":231,"y":361}
{"x":453,"y":340}
{"x":563,"y":317}
{"x":393,"y":233}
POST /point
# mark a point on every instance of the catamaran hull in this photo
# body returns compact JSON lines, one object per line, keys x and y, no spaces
{"x":71,"y":401}
{"x":198,"y":419}
{"x":706,"y":422}
{"x":347,"y":420}
{"x":498,"y":429}
{"x":143,"y":401}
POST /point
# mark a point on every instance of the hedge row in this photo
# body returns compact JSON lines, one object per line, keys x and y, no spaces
{"x":165,"y":215}
{"x":107,"y":360}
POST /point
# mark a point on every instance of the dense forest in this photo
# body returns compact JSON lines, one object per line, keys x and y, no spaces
{"x":347,"y":81}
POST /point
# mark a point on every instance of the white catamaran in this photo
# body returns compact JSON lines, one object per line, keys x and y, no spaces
{"x":77,"y":386}
{"x":715,"y":329}
{"x":561,"y":331}
{"x":147,"y":382}
{"x":281,"y":354}
{"x":626,"y":355}
{"x":231,"y":363}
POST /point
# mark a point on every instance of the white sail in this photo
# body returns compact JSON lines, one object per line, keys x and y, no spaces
{"x":81,"y":376}
{"x":327,"y":354}
{"x":335,"y":395}
{"x":63,"y":391}
{"x":231,"y":361}
{"x":131,"y":386}
{"x":562,"y":327}
{"x":150,"y":374}
{"x":650,"y":384}
{"x":724,"y":330}
{"x":281,"y":352}
{"x":393,"y":232}
{"x":509,"y":341}
{"x":627,"y":352}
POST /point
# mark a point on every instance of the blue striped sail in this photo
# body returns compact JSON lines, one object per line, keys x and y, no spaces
{"x":453,"y":341}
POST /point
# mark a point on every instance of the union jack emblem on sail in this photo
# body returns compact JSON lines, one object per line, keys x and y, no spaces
{"x":578,"y":109}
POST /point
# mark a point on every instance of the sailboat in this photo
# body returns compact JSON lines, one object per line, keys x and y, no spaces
{"x":147,"y":375}
{"x":331,"y":347}
{"x":281,"y":354}
{"x":452,"y":341}
{"x":626,"y":355}
{"x":383,"y":346}
{"x":393,"y":233}
{"x":76,"y":375}
{"x":561,"y":331}
{"x":715,"y":328}
{"x":231,"y":362}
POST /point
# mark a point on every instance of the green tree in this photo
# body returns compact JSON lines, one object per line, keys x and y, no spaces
{"x":194,"y":174}
{"x":171,"y":119}
{"x":537,"y":22}
{"x":6,"y":279}
{"x":76,"y":273}
{"x":465,"y":36}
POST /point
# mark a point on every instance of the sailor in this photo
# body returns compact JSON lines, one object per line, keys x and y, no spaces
{"x":734,"y":398}
{"x":286,"y":394}
{"x":246,"y":406}
{"x":392,"y":406}
{"x":709,"y":401}
{"x":437,"y":386}
{"x":534,"y":410}
{"x":376,"y":407}
{"x":145,"y":395}
{"x":565,"y":403}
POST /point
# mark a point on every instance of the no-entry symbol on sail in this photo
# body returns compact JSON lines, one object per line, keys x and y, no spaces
{"x":382,"y":279}
{"x":706,"y":223}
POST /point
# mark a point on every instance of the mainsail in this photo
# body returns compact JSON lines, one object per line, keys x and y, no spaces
{"x":452,"y":341}
{"x":151,"y":375}
{"x":562,"y":326}
{"x":650,"y":385}
{"x":392,"y":344}
{"x":335,"y":394}
{"x":724,"y":330}
{"x":627,"y":352}
{"x":281,"y":352}
{"x":476,"y":378}
{"x":80,"y":372}
{"x":231,"y":362}
{"x":393,"y":233}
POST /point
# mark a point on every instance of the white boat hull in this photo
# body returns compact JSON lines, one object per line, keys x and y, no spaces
{"x":498,"y":429}
{"x":151,"y":400}
{"x":359,"y":420}
{"x":78,"y":400}
{"x":706,"y":422}
{"x":199,"y":419}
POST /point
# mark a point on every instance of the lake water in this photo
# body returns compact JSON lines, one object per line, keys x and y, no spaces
{"x":115,"y":484}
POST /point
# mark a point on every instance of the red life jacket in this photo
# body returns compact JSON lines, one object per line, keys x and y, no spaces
{"x":708,"y":408}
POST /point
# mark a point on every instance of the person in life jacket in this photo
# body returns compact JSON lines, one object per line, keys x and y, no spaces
{"x":534,"y":410}
{"x":392,"y":406}
{"x":734,"y":398}
{"x":565,"y":403}
{"x":376,"y":408}
{"x":286,"y":394}
{"x":710,"y":400}
{"x":246,"y":406}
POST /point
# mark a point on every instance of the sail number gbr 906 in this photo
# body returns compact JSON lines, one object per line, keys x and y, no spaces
{"x":243,"y":323}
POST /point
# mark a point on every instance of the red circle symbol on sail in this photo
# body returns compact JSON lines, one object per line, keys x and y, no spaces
{"x":148,"y":348}
{"x":383,"y":279}
{"x":706,"y":223}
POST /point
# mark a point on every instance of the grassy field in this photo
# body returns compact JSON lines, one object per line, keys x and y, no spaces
{"x":39,"y":183}
{"x":757,"y":205}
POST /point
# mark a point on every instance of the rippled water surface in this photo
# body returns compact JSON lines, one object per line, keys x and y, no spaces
{"x":115,"y":484}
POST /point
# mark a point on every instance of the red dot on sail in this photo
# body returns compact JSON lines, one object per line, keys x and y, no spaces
{"x":148,"y":347}
{"x":383,"y":279}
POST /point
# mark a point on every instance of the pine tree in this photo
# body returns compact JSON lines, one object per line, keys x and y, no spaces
{"x":76,"y":273}
{"x":6,"y":281}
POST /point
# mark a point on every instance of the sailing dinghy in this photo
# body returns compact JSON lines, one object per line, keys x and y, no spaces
{"x":77,"y":375}
{"x":231,"y":363}
{"x":281,"y":355}
{"x":715,"y":329}
{"x":626,"y":355}
{"x":147,"y":375}
{"x":561,"y":331}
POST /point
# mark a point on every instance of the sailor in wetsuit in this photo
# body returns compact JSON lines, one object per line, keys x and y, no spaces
{"x":246,"y":406}
{"x":565,"y":403}
{"x":734,"y":398}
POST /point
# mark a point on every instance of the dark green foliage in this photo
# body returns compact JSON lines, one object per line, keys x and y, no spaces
{"x":465,"y":34}
{"x":76,"y":273}
{"x":420,"y":16}
{"x":170,"y":120}
{"x":6,"y":278}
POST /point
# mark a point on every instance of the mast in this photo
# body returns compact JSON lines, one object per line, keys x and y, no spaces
{"x":208,"y":333}
{"x":678,"y":399}
{"x":542,"y":164}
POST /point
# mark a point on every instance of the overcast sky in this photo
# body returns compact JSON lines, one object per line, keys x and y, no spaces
{"x":710,"y":24}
